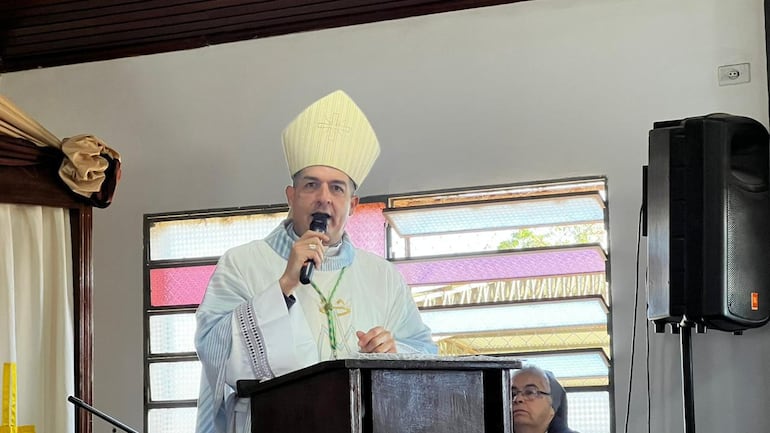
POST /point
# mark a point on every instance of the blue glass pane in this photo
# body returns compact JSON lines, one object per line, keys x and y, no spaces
{"x":569,"y":365}
{"x":487,"y":318}
{"x":497,"y":216}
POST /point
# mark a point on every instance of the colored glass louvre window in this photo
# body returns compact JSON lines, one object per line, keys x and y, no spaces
{"x":174,"y":380}
{"x":171,"y":420}
{"x":172,"y":333}
{"x":366,"y":228}
{"x":179,"y":286}
{"x":504,"y":265}
{"x":208,"y":236}
{"x":508,"y":214}
{"x":511,"y":316}
{"x":568,"y":366}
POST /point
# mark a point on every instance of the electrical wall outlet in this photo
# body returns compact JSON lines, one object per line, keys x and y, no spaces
{"x":734,"y":74}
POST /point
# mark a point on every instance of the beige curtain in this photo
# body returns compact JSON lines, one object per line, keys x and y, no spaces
{"x":36,"y":313}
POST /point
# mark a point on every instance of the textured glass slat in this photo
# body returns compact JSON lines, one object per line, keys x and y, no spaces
{"x":174,"y":420}
{"x":174,"y":380}
{"x":499,"y":193}
{"x":503,"y":266}
{"x":172,"y":333}
{"x":453,"y":243}
{"x":498,"y":240}
{"x":179,"y":286}
{"x":208,"y":237}
{"x":490,"y":318}
{"x":366,"y":228}
{"x":589,"y":411}
{"x":497,"y":216}
{"x":522,"y":289}
{"x":570,"y":365}
{"x":530,"y":340}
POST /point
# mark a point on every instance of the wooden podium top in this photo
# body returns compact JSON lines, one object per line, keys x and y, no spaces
{"x":387,"y":393}
{"x":383,"y":362}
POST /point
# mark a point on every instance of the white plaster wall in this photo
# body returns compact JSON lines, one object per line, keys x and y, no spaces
{"x":535,"y":90}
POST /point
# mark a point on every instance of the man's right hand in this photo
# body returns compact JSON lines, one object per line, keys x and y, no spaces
{"x":308,"y":247}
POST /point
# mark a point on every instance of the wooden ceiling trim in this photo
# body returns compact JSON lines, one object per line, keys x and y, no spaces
{"x":110,"y":23}
{"x":164,"y":27}
{"x":55,"y":32}
{"x":72,"y":12}
{"x":52,"y":28}
{"x":171,"y":10}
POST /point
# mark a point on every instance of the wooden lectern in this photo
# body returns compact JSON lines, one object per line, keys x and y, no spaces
{"x":386,"y":396}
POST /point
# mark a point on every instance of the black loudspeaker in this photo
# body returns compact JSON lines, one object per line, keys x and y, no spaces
{"x":708,"y":222}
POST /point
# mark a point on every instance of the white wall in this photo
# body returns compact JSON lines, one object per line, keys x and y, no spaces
{"x":535,"y":90}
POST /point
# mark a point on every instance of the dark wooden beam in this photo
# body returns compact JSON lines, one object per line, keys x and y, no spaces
{"x":47,"y":33}
{"x":36,"y":185}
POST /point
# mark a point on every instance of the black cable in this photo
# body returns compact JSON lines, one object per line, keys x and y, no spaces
{"x":636,"y":309}
{"x":647,"y":346}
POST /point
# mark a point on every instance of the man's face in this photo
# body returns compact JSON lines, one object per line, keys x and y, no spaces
{"x":536,"y":413}
{"x":323,"y":189}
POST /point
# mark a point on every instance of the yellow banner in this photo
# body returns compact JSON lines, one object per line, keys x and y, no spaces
{"x":9,"y":402}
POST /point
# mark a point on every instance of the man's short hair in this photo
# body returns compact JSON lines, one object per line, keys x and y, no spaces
{"x":353,"y":186}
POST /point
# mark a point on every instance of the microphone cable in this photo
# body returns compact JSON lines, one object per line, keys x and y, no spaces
{"x":633,"y":327}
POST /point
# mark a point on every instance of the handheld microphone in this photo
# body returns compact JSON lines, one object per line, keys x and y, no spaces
{"x":317,"y":225}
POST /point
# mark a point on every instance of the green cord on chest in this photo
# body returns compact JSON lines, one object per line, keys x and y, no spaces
{"x":328,"y":309}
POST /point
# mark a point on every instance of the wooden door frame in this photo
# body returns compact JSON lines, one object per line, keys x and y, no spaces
{"x":40,"y":185}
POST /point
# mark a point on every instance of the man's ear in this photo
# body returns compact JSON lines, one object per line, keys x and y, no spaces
{"x":290,"y":195}
{"x":353,"y":204}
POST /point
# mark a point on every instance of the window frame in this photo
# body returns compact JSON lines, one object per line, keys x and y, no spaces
{"x":148,"y":265}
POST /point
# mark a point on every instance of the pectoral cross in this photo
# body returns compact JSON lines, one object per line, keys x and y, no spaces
{"x":9,"y":402}
{"x":327,"y":307}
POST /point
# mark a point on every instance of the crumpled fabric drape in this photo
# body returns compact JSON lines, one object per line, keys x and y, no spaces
{"x":87,"y":164}
{"x":89,"y":167}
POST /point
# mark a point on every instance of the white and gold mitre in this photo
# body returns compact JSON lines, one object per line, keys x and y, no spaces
{"x":333,"y":132}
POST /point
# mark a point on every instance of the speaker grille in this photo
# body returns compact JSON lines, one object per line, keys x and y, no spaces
{"x":748,"y":262}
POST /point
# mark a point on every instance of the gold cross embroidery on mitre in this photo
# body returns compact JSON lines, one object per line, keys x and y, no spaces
{"x":9,"y":402}
{"x":334,"y":127}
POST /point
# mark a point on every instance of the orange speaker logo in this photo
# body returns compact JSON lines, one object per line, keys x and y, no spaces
{"x":754,"y":301}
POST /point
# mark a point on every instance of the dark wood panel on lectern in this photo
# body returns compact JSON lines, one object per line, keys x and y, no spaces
{"x":401,"y":399}
{"x":385,"y":396}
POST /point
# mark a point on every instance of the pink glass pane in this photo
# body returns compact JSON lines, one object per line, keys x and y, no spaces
{"x":366,"y":228}
{"x":179,"y":286}
{"x":503,"y":266}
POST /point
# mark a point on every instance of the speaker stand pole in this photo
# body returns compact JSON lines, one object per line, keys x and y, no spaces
{"x":80,"y":403}
{"x":687,"y":388}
